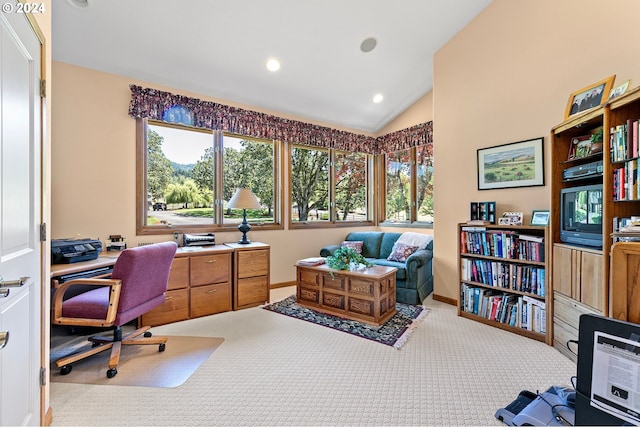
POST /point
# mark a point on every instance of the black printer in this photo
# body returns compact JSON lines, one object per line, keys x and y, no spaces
{"x":66,"y":251}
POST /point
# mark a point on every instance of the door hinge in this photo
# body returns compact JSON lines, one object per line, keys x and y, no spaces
{"x":43,"y":232}
{"x":43,"y":88}
{"x":43,"y":377}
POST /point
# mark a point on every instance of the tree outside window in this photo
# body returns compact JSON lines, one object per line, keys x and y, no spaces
{"x":409,"y":185}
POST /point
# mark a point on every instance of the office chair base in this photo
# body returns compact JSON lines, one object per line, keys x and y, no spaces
{"x":112,"y":373}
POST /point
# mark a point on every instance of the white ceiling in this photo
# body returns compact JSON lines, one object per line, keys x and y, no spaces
{"x":219,"y":49}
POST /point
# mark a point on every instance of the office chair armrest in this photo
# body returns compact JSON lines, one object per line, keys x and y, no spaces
{"x":114,"y":297}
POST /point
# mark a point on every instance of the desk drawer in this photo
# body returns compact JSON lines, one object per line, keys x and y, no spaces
{"x":252,"y":292}
{"x":208,"y":269}
{"x":179,"y":274}
{"x":252,"y":263}
{"x":174,"y":308}
{"x":210,"y":299}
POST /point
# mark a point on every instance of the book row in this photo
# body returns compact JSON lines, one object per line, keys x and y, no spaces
{"x":513,"y":310}
{"x":523,"y":278}
{"x":623,"y":141}
{"x":625,"y":181}
{"x":502,"y":244}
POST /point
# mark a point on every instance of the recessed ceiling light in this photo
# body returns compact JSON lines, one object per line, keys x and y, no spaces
{"x":368,"y":44}
{"x":273,"y":64}
{"x":377,"y":98}
{"x":79,"y":3}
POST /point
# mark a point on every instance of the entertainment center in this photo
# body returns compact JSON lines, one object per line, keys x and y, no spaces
{"x":591,"y":190}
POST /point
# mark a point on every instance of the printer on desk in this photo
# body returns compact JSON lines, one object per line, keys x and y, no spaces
{"x":66,"y":251}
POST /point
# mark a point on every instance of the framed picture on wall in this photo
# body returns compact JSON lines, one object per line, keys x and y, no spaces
{"x":519,"y":164}
{"x":589,"y":97}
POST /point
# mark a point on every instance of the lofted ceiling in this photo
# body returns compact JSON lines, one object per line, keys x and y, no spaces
{"x":219,"y":49}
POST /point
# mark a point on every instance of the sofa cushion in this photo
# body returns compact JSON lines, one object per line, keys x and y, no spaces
{"x":353,"y":244}
{"x":401,"y":252}
{"x":388,"y":240}
{"x":401,"y":274}
{"x":371,"y":242}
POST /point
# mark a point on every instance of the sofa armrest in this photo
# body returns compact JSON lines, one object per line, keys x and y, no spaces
{"x":418,"y":259}
{"x":328,"y":250}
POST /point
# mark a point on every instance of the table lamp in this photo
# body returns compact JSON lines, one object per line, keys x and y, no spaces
{"x":244,"y":199}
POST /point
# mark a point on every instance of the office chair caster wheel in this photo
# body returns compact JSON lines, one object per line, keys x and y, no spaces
{"x":112,"y":373}
{"x":65,"y":369}
{"x":147,"y":334}
{"x":161,"y":347}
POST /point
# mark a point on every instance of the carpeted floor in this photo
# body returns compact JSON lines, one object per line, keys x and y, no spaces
{"x":393,"y":332}
{"x":278,"y":371}
{"x":143,"y":365}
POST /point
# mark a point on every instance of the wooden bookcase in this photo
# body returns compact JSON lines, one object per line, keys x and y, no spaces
{"x":580,"y":275}
{"x":503,"y":278}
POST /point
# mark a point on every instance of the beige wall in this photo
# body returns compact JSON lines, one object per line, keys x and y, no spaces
{"x":506,"y":77}
{"x":93,"y":169}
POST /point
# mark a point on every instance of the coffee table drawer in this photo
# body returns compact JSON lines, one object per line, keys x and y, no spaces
{"x":308,"y":295}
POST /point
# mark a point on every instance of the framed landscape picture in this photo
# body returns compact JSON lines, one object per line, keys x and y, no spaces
{"x":519,"y":164}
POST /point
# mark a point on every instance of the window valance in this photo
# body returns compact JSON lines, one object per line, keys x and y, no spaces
{"x":167,"y":107}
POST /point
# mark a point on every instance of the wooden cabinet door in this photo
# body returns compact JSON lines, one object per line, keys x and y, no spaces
{"x":562,"y":270}
{"x":592,"y":288}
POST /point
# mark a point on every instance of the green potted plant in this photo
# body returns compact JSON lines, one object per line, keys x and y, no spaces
{"x":346,"y":258}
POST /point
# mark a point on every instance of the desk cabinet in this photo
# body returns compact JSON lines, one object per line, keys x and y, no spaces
{"x":199,"y":285}
{"x":251,"y":274}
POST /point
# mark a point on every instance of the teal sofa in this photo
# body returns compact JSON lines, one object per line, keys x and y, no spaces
{"x":414,"y":278}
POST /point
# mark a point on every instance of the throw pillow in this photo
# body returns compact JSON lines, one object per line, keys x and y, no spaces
{"x":353,"y":244}
{"x":401,"y":252}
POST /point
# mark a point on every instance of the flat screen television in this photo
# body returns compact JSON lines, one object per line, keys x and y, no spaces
{"x":581,"y":215}
{"x":608,"y":375}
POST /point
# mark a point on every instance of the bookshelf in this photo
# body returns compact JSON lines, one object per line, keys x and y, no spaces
{"x":580,"y":275}
{"x":503,"y":278}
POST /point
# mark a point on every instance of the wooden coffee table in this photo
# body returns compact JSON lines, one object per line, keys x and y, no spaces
{"x":367,"y":295}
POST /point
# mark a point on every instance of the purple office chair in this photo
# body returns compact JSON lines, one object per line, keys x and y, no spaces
{"x":137,"y":284}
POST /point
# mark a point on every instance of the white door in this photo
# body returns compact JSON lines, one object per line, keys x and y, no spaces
{"x":20,"y":218}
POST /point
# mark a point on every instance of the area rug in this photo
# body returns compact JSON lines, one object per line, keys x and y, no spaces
{"x":395,"y":332}
{"x":143,"y":365}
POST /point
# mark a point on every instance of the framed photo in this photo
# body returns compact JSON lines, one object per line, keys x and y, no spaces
{"x":589,"y":97}
{"x":540,"y":217}
{"x":514,"y":218}
{"x":519,"y":164}
{"x":580,"y":147}
{"x":620,"y":90}
{"x":504,"y":221}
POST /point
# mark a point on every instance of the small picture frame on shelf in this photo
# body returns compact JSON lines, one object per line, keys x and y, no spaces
{"x":504,"y":221}
{"x":589,"y":97}
{"x":540,"y":217}
{"x":620,"y":90}
{"x":515,"y":218}
{"x":580,"y":147}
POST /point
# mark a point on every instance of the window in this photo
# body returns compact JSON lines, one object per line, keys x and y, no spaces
{"x":409,"y":185}
{"x":309,"y":184}
{"x":329,"y":186}
{"x":350,"y":174}
{"x":189,"y":174}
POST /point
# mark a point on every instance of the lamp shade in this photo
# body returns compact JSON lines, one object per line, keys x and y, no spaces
{"x":244,"y":199}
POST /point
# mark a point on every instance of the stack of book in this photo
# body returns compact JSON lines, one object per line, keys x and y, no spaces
{"x":309,"y":262}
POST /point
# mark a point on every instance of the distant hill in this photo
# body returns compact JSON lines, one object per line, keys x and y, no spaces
{"x":182,"y":170}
